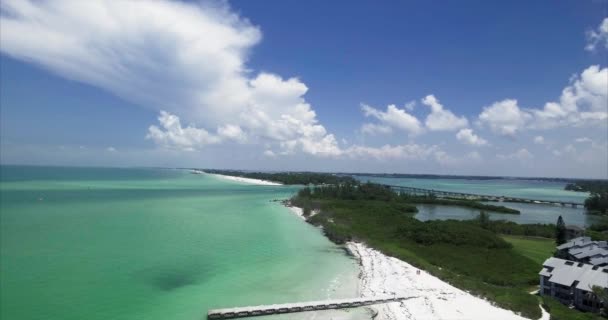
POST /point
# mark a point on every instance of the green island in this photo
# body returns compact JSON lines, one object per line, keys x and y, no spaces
{"x":289,"y":178}
{"x":496,"y":260}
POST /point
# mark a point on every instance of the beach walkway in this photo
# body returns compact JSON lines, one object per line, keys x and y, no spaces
{"x":242,"y":312}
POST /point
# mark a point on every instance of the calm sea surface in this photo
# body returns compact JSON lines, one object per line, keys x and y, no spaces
{"x":530,"y":213}
{"x":86,"y":243}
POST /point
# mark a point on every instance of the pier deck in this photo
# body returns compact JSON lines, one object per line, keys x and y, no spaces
{"x":242,"y":312}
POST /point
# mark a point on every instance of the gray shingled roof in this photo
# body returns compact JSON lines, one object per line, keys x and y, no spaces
{"x":566,"y":272}
{"x":599,"y":261}
{"x":576,"y":242}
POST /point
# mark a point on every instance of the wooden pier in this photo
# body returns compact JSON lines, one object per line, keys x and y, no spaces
{"x":480,"y":197}
{"x":263,"y":310}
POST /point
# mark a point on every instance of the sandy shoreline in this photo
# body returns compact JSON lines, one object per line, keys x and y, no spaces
{"x":380,"y":274}
{"x":299,"y":212}
{"x":244,"y":180}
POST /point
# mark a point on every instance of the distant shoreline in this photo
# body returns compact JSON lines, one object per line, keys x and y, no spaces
{"x":386,"y":175}
{"x":239,"y":179}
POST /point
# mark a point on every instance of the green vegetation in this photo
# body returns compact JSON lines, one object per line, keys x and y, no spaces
{"x":597,"y":202}
{"x":530,"y":230}
{"x":561,"y":312}
{"x":372,"y":191}
{"x":457,"y":202}
{"x":537,"y":249}
{"x":303,"y":178}
{"x":598,"y":231}
{"x":459,"y":252}
{"x":593,"y":186}
{"x":560,"y":231}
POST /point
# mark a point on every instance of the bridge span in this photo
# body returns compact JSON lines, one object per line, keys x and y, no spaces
{"x":263,"y":310}
{"x":473,"y":196}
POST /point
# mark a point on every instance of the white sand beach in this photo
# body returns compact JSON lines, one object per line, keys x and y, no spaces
{"x":382,"y":275}
{"x":300,"y":213}
{"x":246,"y":180}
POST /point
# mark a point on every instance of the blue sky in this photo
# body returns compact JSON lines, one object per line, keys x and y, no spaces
{"x":477,"y":87}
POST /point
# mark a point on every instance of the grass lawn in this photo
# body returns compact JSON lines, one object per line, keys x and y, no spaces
{"x":537,"y":249}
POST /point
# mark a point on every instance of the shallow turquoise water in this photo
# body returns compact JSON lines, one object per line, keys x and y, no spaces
{"x":86,"y":243}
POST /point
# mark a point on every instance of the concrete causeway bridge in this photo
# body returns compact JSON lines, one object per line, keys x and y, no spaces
{"x":264,"y":310}
{"x":481,"y":197}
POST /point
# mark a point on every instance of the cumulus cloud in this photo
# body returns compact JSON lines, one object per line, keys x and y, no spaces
{"x":174,"y":135}
{"x":393,"y":117}
{"x":583,"y":140}
{"x":410,"y":106}
{"x":522,"y":155}
{"x":467,"y":136}
{"x":372,"y":129}
{"x":387,"y":152}
{"x":269,"y":153}
{"x":504,"y":117}
{"x":569,"y":150}
{"x":441,"y":119}
{"x":583,"y":102}
{"x":184,"y":58}
{"x":539,"y":140}
{"x":447,"y":160}
{"x":232,"y":132}
{"x":599,"y":37}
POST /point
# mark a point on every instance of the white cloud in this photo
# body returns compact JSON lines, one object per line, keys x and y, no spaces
{"x":599,"y":37}
{"x":504,"y":117}
{"x":188,"y":59}
{"x":539,"y":140}
{"x":393,"y":117}
{"x":111,"y":149}
{"x":457,"y":161}
{"x":173,"y":135}
{"x":568,"y":150}
{"x":467,"y":136}
{"x":372,"y":129}
{"x":409,"y":106}
{"x":583,"y":140}
{"x":388,"y":152}
{"x":269,"y":153}
{"x":522,"y":155}
{"x":441,"y":119}
{"x":584,"y":101}
{"x":232,"y":132}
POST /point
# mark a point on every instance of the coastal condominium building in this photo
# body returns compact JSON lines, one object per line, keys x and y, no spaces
{"x":583,"y":249}
{"x":572,"y":283}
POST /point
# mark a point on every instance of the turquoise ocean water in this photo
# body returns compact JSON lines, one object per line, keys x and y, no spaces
{"x":87,"y":243}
